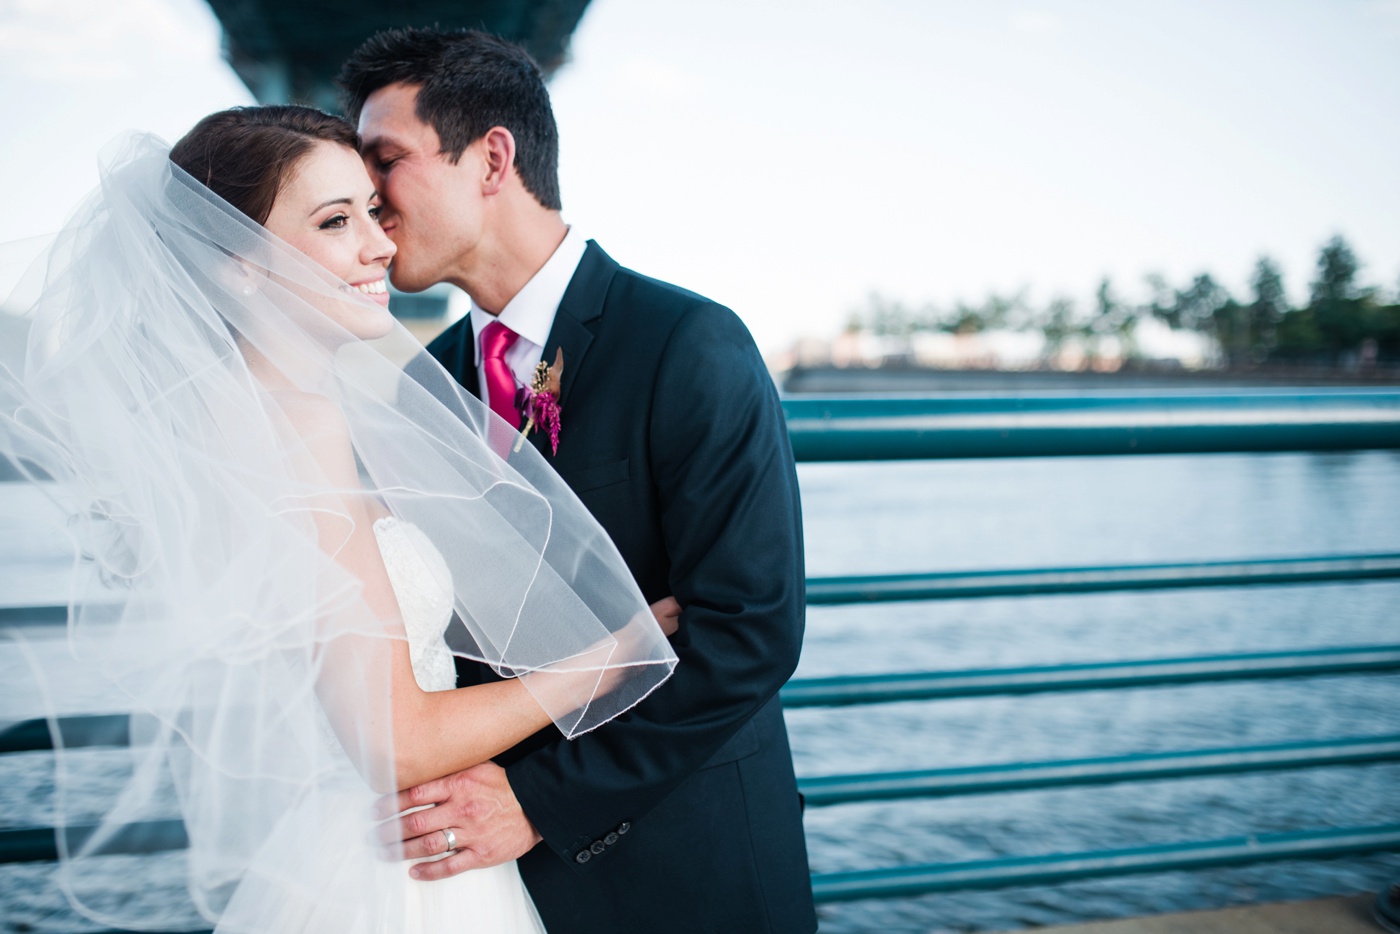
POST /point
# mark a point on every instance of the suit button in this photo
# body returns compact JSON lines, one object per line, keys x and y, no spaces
{"x":623,"y":827}
{"x":597,"y":846}
{"x":611,"y":838}
{"x":583,"y":856}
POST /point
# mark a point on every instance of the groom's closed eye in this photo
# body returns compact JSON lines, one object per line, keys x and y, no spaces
{"x":383,"y":161}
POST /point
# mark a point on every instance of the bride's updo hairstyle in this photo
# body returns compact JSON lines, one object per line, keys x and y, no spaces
{"x":246,"y":154}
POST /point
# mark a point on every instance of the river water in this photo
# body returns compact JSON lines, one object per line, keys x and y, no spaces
{"x":887,"y":518}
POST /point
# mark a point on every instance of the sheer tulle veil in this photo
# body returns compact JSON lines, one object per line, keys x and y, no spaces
{"x":193,"y":495}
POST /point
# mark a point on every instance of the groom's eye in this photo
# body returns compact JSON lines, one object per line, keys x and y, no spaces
{"x":340,"y":220}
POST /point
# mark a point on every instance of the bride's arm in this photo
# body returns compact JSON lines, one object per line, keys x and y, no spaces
{"x":422,"y":734}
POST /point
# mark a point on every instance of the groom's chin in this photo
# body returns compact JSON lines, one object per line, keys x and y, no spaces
{"x":408,"y":280}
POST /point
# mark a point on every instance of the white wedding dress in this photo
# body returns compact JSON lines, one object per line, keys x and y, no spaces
{"x":335,"y":897}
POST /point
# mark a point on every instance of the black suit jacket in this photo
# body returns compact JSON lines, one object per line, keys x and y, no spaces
{"x":681,"y":815}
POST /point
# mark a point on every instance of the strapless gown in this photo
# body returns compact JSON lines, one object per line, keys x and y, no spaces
{"x":353,"y":891}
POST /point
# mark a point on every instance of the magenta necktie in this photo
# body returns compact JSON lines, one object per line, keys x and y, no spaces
{"x":496,"y":339}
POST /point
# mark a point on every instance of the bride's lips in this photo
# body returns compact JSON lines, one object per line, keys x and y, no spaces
{"x":376,"y":290}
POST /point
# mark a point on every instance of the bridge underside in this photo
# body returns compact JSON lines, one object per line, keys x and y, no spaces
{"x":291,"y":50}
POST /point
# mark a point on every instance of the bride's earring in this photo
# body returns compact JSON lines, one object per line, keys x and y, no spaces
{"x":247,"y":285}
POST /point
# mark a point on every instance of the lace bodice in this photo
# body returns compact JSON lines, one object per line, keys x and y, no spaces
{"x":423,"y":586}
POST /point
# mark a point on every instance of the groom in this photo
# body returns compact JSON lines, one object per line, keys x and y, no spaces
{"x":682,"y":815}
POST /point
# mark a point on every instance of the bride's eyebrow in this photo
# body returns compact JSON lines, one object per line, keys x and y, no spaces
{"x":326,"y":204}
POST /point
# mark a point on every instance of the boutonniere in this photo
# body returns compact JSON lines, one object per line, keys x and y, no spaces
{"x":539,"y":401}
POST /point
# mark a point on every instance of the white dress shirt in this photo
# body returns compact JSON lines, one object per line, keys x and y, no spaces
{"x":531,"y":312}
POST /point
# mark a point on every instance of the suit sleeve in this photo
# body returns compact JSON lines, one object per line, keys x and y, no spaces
{"x":730,"y":517}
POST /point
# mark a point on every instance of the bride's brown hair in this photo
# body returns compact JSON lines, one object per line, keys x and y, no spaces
{"x":246,"y":154}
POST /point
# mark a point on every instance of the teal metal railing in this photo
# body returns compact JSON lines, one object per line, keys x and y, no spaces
{"x":1067,"y":867}
{"x":1043,"y":581}
{"x":886,"y":428}
{"x":866,"y":428}
{"x":869,"y":428}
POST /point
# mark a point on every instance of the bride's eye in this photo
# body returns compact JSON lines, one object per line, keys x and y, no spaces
{"x":374,"y":212}
{"x":335,"y":223}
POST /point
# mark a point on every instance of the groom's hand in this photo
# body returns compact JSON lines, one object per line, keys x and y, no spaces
{"x":668,"y":615}
{"x":476,"y":804}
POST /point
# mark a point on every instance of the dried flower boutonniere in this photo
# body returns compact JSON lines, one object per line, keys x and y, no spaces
{"x":539,"y":402}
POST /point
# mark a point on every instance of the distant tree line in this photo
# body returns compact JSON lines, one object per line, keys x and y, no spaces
{"x":1343,"y":324}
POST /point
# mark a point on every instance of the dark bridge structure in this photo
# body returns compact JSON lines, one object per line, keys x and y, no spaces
{"x":290,"y":50}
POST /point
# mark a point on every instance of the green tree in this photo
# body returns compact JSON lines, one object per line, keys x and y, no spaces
{"x":1267,"y":309}
{"x":965,"y":319}
{"x":1336,"y":272}
{"x":1057,"y":324}
{"x":883,"y":316}
{"x":1338,"y":306}
{"x":1111,"y":318}
{"x":1162,"y":303}
{"x":1198,"y":307}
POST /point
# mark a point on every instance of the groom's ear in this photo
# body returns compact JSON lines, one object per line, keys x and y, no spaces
{"x":498,"y":158}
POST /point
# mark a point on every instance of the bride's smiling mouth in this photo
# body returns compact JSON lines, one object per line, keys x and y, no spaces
{"x":376,"y":289}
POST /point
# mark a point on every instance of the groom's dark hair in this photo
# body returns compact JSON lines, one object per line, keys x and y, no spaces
{"x":468,"y":82}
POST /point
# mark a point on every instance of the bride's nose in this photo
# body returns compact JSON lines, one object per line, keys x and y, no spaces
{"x":379,"y":248}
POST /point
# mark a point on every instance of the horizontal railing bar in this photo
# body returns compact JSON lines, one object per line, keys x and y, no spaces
{"x":958,"y":585}
{"x":858,"y":428}
{"x":1024,"y":776}
{"x":38,"y":844}
{"x":940,"y":685}
{"x":1055,"y":868}
{"x":111,"y":730}
{"x":48,"y":615}
{"x":1050,"y":424}
{"x":1018,"y":582}
{"x":74,"y":732}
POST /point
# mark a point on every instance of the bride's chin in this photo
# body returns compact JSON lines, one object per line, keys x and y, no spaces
{"x":363,"y":320}
{"x":370,"y":325}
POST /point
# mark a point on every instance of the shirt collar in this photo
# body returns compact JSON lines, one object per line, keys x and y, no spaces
{"x":531,"y":312}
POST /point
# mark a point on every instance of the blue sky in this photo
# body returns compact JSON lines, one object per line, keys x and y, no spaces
{"x":787,"y":158}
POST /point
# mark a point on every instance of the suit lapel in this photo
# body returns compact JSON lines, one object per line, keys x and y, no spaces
{"x":466,"y":359}
{"x":576,"y":321}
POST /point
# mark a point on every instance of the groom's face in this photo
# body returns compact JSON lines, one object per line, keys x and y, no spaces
{"x":431,"y":207}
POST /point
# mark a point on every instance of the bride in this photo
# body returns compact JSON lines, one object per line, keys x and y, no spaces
{"x":281,"y":540}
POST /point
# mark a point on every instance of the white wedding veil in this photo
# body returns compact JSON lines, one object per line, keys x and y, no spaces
{"x":197,"y":499}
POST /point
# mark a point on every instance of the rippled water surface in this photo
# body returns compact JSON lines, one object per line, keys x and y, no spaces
{"x":885,"y":518}
{"x":1047,"y":513}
